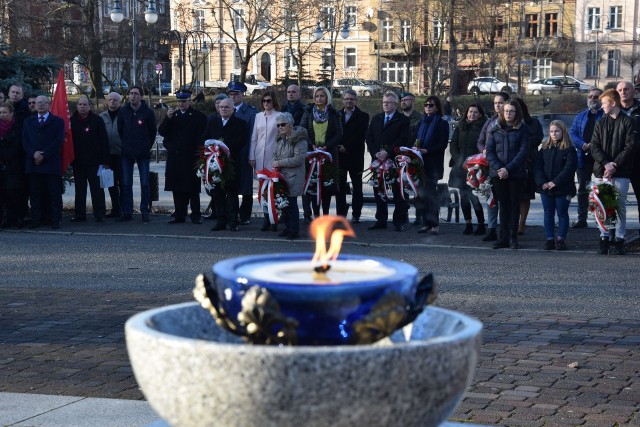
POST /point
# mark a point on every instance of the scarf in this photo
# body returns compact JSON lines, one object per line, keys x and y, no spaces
{"x":320,"y":116}
{"x":426,"y":130}
{"x":5,"y":127}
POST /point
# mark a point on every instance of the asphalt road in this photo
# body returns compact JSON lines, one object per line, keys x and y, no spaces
{"x":470,"y":279}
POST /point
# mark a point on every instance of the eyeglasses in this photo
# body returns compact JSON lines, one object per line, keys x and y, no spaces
{"x":281,"y":125}
{"x":509,"y":111}
{"x":593,"y":96}
{"x":268,"y":101}
{"x":429,"y":105}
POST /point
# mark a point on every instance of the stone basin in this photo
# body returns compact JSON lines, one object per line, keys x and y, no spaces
{"x":193,"y":373}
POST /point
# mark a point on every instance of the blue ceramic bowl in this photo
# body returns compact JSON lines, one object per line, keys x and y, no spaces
{"x":275,"y":312}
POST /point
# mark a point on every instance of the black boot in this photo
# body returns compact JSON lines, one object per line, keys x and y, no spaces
{"x":603,"y":248}
{"x":480,"y":230}
{"x":265,"y":223}
{"x":491,"y":236}
{"x":513,"y":241}
{"x":468,"y":229}
{"x":619,"y":247}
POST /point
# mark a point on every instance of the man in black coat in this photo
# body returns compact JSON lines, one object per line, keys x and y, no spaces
{"x":387,"y":131}
{"x":351,"y":148}
{"x":90,"y":149}
{"x":182,"y":130}
{"x":294,"y":106}
{"x":234,"y":132}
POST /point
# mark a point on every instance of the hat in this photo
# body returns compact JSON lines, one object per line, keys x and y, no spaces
{"x":236,"y":87}
{"x":183,"y":95}
{"x":403,"y":94}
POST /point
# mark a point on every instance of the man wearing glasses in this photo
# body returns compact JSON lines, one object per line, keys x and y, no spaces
{"x":182,"y":130}
{"x":581,"y":132}
{"x":387,"y":131}
{"x":407,"y":105}
{"x":247,"y":113}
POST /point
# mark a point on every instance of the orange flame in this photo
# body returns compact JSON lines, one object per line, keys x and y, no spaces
{"x":319,"y":229}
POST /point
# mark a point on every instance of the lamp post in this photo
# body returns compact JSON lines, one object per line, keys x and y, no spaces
{"x":117,"y":16}
{"x":596,"y":30}
{"x":344,"y":33}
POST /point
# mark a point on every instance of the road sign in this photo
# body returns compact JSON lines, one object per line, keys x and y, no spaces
{"x":158,"y":67}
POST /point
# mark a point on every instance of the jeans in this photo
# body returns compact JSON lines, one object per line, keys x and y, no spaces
{"x":622,"y":184}
{"x":127,"y":185}
{"x":551,"y":206}
{"x":584,"y":178}
{"x":492,"y":213}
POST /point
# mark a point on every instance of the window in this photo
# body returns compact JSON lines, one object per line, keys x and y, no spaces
{"x":593,"y":18}
{"x":396,"y":72}
{"x":263,"y":22}
{"x":591,"y":64}
{"x":499,"y":28}
{"x":613,"y":63}
{"x":466,"y":33}
{"x":615,"y":17}
{"x":290,"y":60}
{"x":328,"y":17}
{"x":289,"y":22}
{"x":437,"y":29}
{"x":237,"y":58}
{"x":405,"y":30}
{"x":351,"y":13}
{"x":326,"y":59}
{"x":198,"y":20}
{"x":540,"y":68}
{"x":387,"y":30}
{"x":238,"y":19}
{"x":550,"y":24}
{"x":532,"y":25}
{"x":350,"y":57}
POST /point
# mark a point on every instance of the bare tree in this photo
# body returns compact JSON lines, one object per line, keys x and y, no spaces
{"x":298,"y":26}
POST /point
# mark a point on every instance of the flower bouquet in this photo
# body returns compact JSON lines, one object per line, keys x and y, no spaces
{"x":321,"y":172}
{"x":214,"y":165}
{"x":410,"y":169}
{"x":272,"y":193}
{"x":604,"y":204}
{"x":478,"y":177}
{"x":382,"y":172}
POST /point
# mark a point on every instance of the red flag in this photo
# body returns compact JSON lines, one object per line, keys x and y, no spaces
{"x":60,"y":108}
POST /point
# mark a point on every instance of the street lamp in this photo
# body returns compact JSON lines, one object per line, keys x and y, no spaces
{"x":344,"y":33}
{"x":596,"y":30}
{"x":150,"y":15}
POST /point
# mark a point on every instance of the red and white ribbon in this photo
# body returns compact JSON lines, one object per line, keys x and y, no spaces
{"x":316,"y":159}
{"x":268,"y":178}
{"x":380,"y":169}
{"x":214,"y":151}
{"x":599,"y":211}
{"x":477,"y":178}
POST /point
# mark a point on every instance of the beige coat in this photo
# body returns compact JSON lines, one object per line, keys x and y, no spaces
{"x":290,"y":156}
{"x":263,"y":140}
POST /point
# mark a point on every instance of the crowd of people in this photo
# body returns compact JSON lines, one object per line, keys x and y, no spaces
{"x":601,"y":141}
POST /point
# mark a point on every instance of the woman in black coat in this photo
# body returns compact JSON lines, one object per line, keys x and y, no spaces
{"x":11,"y":169}
{"x":322,"y":122}
{"x":555,"y":166}
{"x":464,"y":144}
{"x":507,"y":150}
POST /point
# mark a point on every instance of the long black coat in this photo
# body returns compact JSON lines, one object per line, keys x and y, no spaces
{"x":354,"y":133}
{"x":235,"y":135}
{"x":183,"y":140}
{"x":464,"y":143}
{"x":11,"y":161}
{"x":90,"y":141}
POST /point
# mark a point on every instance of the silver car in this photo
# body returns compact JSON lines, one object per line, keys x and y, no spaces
{"x":361,"y":87}
{"x":557,"y":84}
{"x":490,"y":85}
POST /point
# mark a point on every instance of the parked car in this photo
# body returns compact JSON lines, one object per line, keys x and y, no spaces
{"x":165,"y":88}
{"x":490,"y":85}
{"x":120,"y":86}
{"x":384,"y":87}
{"x":70,"y":87}
{"x":557,"y":84}
{"x":361,"y":87}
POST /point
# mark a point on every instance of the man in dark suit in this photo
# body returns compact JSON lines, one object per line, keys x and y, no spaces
{"x":387,"y":131}
{"x":234,"y":132}
{"x":354,"y":125}
{"x":42,"y":139}
{"x":246,"y":112}
{"x":182,"y":130}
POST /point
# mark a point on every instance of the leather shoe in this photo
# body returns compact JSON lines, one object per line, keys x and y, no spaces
{"x":500,"y":244}
{"x":492,"y":236}
{"x":308,"y":219}
{"x":79,"y":219}
{"x":198,"y":220}
{"x":377,"y":226}
{"x":245,"y":222}
{"x":274,"y":227}
{"x":218,"y":227}
{"x":176,"y":221}
{"x":146,"y":218}
{"x":283,"y":233}
{"x":355,"y":220}
{"x":234,"y":227}
{"x":113,"y":214}
{"x":424,"y":229}
{"x":579,"y":224}
{"x":398,"y":227}
{"x":211,"y":217}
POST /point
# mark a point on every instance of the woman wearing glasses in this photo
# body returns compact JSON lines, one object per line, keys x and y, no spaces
{"x":432,"y":140}
{"x":289,"y":157}
{"x":507,"y":150}
{"x":263,"y":142}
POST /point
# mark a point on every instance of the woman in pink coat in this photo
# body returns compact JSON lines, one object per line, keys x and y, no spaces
{"x":263,"y":141}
